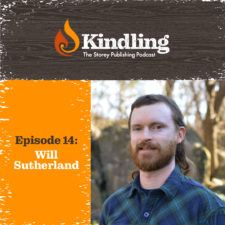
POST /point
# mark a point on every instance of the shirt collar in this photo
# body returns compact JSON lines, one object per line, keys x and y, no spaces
{"x":169,"y":188}
{"x":173,"y":182}
{"x":135,"y":186}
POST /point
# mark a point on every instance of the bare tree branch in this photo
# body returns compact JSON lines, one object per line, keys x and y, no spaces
{"x":169,"y":87}
{"x":219,"y":97}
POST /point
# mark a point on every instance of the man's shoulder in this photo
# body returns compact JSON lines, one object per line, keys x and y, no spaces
{"x":195,"y":190}
{"x":116,"y":203}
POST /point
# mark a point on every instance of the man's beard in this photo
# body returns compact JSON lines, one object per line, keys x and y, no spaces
{"x":156,"y":158}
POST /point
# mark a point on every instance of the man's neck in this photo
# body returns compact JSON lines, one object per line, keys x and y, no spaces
{"x":155,"y":179}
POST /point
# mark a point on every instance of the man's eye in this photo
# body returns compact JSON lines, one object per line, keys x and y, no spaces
{"x":136,"y":128}
{"x":157,"y":127}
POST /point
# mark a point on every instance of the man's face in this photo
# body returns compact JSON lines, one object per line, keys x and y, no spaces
{"x":154,"y":136}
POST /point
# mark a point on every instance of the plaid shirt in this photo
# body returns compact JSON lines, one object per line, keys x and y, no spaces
{"x":180,"y":201}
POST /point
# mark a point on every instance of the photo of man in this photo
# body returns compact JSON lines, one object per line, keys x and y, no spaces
{"x":160,"y":192}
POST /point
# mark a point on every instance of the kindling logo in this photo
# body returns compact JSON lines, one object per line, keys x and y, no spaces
{"x":61,"y":43}
{"x":127,"y":41}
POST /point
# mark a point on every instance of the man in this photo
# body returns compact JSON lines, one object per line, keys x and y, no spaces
{"x":160,"y":193}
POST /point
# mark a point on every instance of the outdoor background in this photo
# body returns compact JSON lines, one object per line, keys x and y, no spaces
{"x":203,"y":106}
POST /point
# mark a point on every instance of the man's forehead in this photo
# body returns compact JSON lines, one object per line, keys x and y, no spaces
{"x":158,"y":111}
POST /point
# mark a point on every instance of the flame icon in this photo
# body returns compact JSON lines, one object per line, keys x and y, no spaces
{"x":61,"y":43}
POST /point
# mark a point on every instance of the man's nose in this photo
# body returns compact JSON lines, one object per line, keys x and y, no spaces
{"x":147,"y":134}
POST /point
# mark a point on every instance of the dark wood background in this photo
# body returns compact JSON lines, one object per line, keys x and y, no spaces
{"x":196,"y":29}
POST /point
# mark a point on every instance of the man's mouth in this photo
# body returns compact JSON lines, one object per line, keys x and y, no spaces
{"x":147,"y":147}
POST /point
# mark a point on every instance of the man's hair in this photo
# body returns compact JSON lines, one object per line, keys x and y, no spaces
{"x":177,"y":116}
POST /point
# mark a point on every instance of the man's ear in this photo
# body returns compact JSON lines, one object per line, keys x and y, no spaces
{"x":181,"y":134}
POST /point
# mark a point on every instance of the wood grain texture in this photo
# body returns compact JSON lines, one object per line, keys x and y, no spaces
{"x":196,"y":30}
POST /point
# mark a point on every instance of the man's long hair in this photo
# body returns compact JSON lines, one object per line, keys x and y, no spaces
{"x":180,"y":156}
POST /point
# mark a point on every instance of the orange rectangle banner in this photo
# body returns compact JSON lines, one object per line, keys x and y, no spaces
{"x":45,"y":152}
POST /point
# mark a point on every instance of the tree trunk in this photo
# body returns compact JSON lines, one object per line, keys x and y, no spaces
{"x":169,"y":85}
{"x":210,"y":136}
{"x":214,"y":102}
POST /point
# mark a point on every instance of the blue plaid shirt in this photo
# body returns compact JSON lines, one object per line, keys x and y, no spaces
{"x":180,"y":201}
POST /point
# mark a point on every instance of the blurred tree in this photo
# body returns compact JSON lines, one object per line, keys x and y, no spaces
{"x":203,"y":105}
{"x":198,"y":92}
{"x":215,"y":95}
{"x":110,"y":99}
{"x":124,"y":93}
{"x":169,"y":86}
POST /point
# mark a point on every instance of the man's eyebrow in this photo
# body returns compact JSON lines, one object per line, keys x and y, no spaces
{"x":151,"y":124}
{"x":157,"y":122}
{"x":136,"y":125}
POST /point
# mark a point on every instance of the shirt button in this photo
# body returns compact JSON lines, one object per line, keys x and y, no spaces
{"x":146,"y":214}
